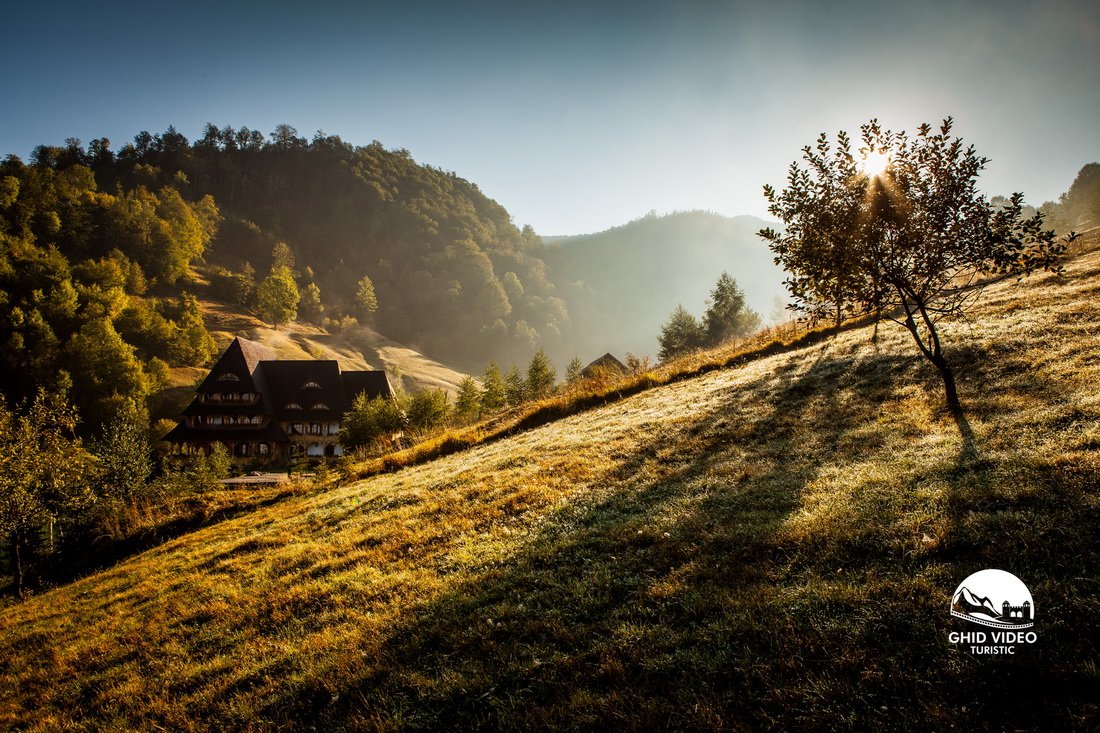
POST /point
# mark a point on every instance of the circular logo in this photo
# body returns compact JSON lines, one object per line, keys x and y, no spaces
{"x":994,"y":598}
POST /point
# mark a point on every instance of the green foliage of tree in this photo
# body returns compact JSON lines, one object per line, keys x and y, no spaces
{"x":727,"y":316}
{"x":43,"y":469}
{"x":277,"y":297}
{"x":573,"y":370}
{"x":493,"y":393}
{"x":427,"y":410}
{"x":916,"y":240}
{"x":310,"y":305}
{"x":541,"y":376}
{"x":468,"y":400}
{"x":681,"y":334}
{"x":282,"y":257}
{"x":192,"y":344}
{"x":364,"y":295}
{"x":515,"y":387}
{"x":1080,"y":206}
{"x":123,"y":459}
{"x":109,"y":376}
{"x":369,"y":420}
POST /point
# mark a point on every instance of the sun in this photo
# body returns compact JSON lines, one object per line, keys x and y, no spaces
{"x":874,"y":164}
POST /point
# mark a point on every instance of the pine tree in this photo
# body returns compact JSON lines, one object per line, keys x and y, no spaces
{"x":468,"y":400}
{"x":727,"y":316}
{"x":573,"y":370}
{"x":515,"y":388}
{"x":540,"y":376}
{"x":364,"y":295}
{"x":493,"y":394}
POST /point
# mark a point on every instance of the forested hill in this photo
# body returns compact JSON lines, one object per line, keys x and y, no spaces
{"x":621,"y":284}
{"x":452,"y":274}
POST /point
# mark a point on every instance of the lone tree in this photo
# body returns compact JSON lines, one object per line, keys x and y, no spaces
{"x":728,"y":317}
{"x":901,"y":231}
{"x":277,"y":297}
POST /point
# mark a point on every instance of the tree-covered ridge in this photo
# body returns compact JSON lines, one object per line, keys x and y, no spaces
{"x":77,"y":268}
{"x":452,"y":273}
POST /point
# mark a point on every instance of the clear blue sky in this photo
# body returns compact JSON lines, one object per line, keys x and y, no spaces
{"x":576,"y":116}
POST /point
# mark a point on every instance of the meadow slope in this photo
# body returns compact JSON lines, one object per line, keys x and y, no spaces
{"x":766,"y":547}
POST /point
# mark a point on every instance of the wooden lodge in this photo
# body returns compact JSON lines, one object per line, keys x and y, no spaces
{"x":268,"y":410}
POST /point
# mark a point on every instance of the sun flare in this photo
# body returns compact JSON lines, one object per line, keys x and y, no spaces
{"x":874,"y":164}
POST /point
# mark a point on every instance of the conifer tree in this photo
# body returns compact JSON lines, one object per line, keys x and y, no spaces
{"x":493,"y":394}
{"x":541,"y":376}
{"x":573,"y":370}
{"x":468,"y":400}
{"x":515,"y":388}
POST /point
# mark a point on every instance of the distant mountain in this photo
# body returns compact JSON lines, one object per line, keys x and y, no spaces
{"x":621,"y":285}
{"x":966,"y":601}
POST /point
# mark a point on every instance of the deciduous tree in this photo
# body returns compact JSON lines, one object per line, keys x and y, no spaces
{"x":913,"y":241}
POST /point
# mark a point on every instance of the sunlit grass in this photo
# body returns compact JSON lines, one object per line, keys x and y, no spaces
{"x":767,"y":546}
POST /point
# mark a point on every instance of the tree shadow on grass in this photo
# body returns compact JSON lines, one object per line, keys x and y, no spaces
{"x":646,"y":606}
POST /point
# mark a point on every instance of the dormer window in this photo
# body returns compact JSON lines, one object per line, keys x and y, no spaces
{"x":293,"y":406}
{"x":319,"y":406}
{"x":311,"y":385}
{"x":229,"y":377}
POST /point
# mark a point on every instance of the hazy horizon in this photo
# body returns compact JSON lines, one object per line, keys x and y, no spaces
{"x":576,"y":117}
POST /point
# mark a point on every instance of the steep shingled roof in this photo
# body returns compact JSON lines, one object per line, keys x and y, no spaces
{"x":375,"y":384}
{"x":287,"y":385}
{"x":240,"y":359}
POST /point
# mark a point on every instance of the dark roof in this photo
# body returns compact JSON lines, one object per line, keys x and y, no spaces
{"x":239,"y":359}
{"x":286,"y":385}
{"x":279,"y":383}
{"x":375,"y":384}
{"x":184,"y":434}
{"x":608,"y":363}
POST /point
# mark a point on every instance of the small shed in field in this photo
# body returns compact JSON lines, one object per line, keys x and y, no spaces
{"x":606,"y":365}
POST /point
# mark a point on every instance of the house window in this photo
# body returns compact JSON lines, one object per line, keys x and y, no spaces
{"x":319,"y":406}
{"x":263,"y":449}
{"x":311,"y":385}
{"x":243,"y":450}
{"x":214,"y":397}
{"x":315,"y":428}
{"x":293,"y":406}
{"x":297,"y":428}
{"x":229,"y":377}
{"x":315,"y":449}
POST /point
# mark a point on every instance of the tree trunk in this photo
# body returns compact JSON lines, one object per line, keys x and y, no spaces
{"x":16,"y":543}
{"x":948,"y":377}
{"x":933,"y":351}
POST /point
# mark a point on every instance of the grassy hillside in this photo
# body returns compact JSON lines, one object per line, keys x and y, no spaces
{"x":621,"y":284}
{"x":773,"y":546}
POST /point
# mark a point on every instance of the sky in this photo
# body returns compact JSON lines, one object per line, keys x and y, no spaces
{"x":575,"y":116}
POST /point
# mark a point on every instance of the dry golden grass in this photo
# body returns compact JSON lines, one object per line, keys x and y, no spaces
{"x":771,"y":546}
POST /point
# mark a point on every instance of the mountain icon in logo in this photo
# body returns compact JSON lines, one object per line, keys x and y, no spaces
{"x":994,"y":598}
